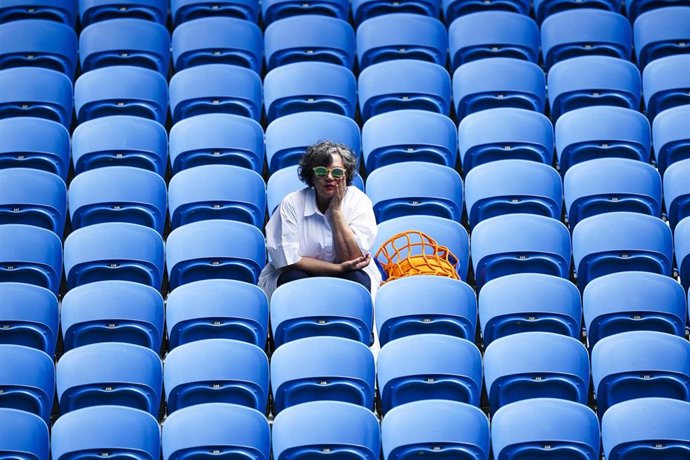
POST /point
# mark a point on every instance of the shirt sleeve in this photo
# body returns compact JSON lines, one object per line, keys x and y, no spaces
{"x":363,"y":222}
{"x":282,"y":235}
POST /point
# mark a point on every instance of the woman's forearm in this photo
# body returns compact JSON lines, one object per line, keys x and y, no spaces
{"x":317,"y":267}
{"x":344,"y":239}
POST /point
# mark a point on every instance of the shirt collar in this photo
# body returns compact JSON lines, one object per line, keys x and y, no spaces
{"x":310,"y":204}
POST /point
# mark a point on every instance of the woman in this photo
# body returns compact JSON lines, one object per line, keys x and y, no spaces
{"x":324,"y":229}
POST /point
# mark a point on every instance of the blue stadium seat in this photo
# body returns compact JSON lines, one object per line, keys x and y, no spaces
{"x":322,"y":369}
{"x":36,"y":92}
{"x":38,"y":43}
{"x":527,"y":302}
{"x":647,"y":428}
{"x":33,"y":197}
{"x":26,"y":379}
{"x":215,"y":88}
{"x":121,"y":90}
{"x":520,"y":243}
{"x":621,"y":241}
{"x":544,"y":8}
{"x":633,"y":301}
{"x":118,"y":194}
{"x":215,"y":249}
{"x":682,"y":250}
{"x":30,"y":255}
{"x":109,"y":430}
{"x":91,"y":11}
{"x":428,"y":366}
{"x":309,"y":87}
{"x":272,"y":10}
{"x":587,"y":81}
{"x":28,"y":316}
{"x":216,"y":370}
{"x":512,"y":186}
{"x":224,"y":429}
{"x":640,"y":364}
{"x":600,"y":132}
{"x":445,"y":232}
{"x":217,"y":192}
{"x":662,"y":32}
{"x":611,"y":184}
{"x":498,"y":82}
{"x":409,"y":135}
{"x":14,"y":10}
{"x":504,"y":133}
{"x":31,"y":142}
{"x":109,"y":373}
{"x":114,"y":251}
{"x":415,"y":188}
{"x":24,"y":435}
{"x":134,"y":42}
{"x":666,"y":84}
{"x":297,"y":313}
{"x":403,"y":84}
{"x":367,"y":9}
{"x":677,"y":192}
{"x":309,"y":37}
{"x":288,"y":137}
{"x":217,"y":40}
{"x":431,"y":428}
{"x":545,"y":427}
{"x":634,"y":8}
{"x":112,"y":311}
{"x":453,"y":9}
{"x":585,"y":32}
{"x":488,"y":34}
{"x":326,"y":429}
{"x":217,"y":309}
{"x":401,"y":36}
{"x":535,"y":365}
{"x":187,"y":10}
{"x":217,"y":138}
{"x":671,"y":139}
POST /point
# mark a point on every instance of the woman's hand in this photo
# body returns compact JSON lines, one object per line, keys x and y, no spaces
{"x":338,"y":195}
{"x":355,"y":264}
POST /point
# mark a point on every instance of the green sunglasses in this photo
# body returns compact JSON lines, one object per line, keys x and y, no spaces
{"x":322,"y":171}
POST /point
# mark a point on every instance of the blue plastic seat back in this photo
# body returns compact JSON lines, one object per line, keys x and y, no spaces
{"x":288,"y":137}
{"x":518,"y":430}
{"x":430,"y":428}
{"x":217,"y":309}
{"x":544,"y":8}
{"x":91,"y":11}
{"x":24,"y":436}
{"x":27,"y":377}
{"x":677,"y":192}
{"x":322,"y":369}
{"x":535,"y":365}
{"x":217,"y":40}
{"x":114,"y":251}
{"x":121,"y":90}
{"x":428,"y":366}
{"x":520,"y":243}
{"x":28,"y":316}
{"x":403,"y":84}
{"x":216,"y":370}
{"x":425,"y":304}
{"x":681,"y":236}
{"x":453,"y":9}
{"x":671,"y":140}
{"x":217,"y":192}
{"x":38,"y":43}
{"x":309,"y":87}
{"x":527,"y":302}
{"x":309,"y":37}
{"x":30,"y":255}
{"x":120,"y":140}
{"x":118,"y":194}
{"x":662,"y":32}
{"x":666,"y":84}
{"x":621,"y":241}
{"x":187,"y":10}
{"x":326,"y":429}
{"x":114,"y":430}
{"x":272,"y":10}
{"x":112,"y":311}
{"x":649,"y":428}
{"x":401,"y":36}
{"x":634,"y":8}
{"x":36,"y":143}
{"x":445,"y":232}
{"x":367,"y":9}
{"x":63,"y":12}
{"x":215,"y":88}
{"x":595,"y":132}
{"x":224,"y":428}
{"x":502,"y":134}
{"x":215,"y":249}
{"x":513,"y":186}
{"x":587,"y":81}
{"x":36,"y":92}
{"x":611,"y":184}
{"x":33,"y":197}
{"x":487,"y":34}
{"x":296,"y":313}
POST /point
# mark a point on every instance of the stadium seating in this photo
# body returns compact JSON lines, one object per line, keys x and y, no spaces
{"x":24,"y":435}
{"x":681,"y":239}
{"x":36,"y":92}
{"x":671,"y":141}
{"x":28,"y":316}
{"x":272,"y":10}
{"x":91,"y":11}
{"x":13,"y":10}
{"x":677,"y":192}
{"x":662,"y":32}
{"x":634,"y":8}
{"x":187,"y":10}
{"x":367,"y":9}
{"x":33,"y":255}
{"x":666,"y":84}
{"x":26,"y":379}
{"x":544,"y":8}
{"x":31,"y":142}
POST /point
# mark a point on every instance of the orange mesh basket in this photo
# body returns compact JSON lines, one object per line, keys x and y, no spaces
{"x":415,"y":253}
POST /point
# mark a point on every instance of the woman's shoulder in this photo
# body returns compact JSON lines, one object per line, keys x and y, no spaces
{"x":356,"y":196}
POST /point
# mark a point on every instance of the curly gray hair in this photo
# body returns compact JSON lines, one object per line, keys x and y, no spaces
{"x":320,"y":154}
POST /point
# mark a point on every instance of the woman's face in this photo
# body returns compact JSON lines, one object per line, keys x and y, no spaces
{"x":325,"y":186}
